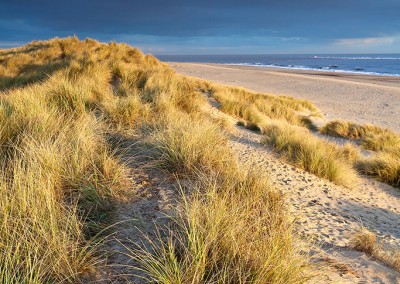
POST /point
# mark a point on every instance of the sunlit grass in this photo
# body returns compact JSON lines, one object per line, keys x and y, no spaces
{"x":311,"y":153}
{"x":385,"y":164}
{"x":366,"y":241}
{"x":232,"y":226}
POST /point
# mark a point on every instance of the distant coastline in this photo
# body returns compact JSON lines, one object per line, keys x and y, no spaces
{"x":322,"y":69}
{"x":365,"y":64}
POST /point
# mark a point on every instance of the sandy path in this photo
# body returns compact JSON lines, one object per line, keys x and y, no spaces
{"x":154,"y":195}
{"x":359,"y":98}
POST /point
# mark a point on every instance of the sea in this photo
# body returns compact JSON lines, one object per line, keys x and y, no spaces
{"x":370,"y":64}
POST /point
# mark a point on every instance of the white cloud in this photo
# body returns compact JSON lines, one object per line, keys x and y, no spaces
{"x":368,"y":41}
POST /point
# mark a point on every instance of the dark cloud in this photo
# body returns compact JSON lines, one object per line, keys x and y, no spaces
{"x":316,"y":20}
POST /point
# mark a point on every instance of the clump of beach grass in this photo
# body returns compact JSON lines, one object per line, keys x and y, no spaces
{"x":41,"y":240}
{"x":311,"y":153}
{"x":366,"y":241}
{"x":185,"y":145}
{"x":219,"y":229}
{"x":347,"y":129}
{"x":372,"y":137}
{"x":388,"y":142}
{"x":126,"y":112}
{"x":255,"y":108}
{"x":384,"y":165}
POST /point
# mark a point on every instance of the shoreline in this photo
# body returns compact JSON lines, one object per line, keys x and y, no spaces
{"x":316,"y":70}
{"x":359,"y":98}
{"x":387,"y":80}
{"x":321,"y":71}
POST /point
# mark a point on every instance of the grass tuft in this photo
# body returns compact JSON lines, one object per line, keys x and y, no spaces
{"x":384,"y":165}
{"x":186,"y":146}
{"x":256,"y":108}
{"x":366,"y":241}
{"x":310,"y":153}
{"x":221,"y":225}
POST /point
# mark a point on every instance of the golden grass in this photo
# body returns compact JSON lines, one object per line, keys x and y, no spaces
{"x":57,"y":173}
{"x":366,"y":241}
{"x":186,"y":146}
{"x":229,"y":231}
{"x":127,"y":112}
{"x":312,"y":154}
{"x":256,"y":108}
{"x":59,"y":101}
{"x":232,"y":226}
{"x":61,"y":98}
{"x":347,"y":129}
{"x":372,"y":137}
{"x":387,"y":142}
{"x":41,"y":240}
{"x":385,"y":164}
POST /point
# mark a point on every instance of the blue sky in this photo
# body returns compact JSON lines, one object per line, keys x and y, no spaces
{"x":211,"y":27}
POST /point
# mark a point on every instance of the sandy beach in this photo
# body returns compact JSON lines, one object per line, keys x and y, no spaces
{"x":358,"y":98}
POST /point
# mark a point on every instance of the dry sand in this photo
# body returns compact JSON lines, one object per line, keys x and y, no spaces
{"x":358,"y":98}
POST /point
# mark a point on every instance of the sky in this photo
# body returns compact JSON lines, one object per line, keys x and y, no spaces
{"x":211,"y":26}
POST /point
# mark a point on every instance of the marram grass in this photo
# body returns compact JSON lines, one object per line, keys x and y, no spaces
{"x":313,"y":154}
{"x":385,"y":163}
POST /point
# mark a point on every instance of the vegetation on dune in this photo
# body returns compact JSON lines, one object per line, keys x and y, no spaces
{"x":348,"y":129}
{"x":311,"y":153}
{"x":385,"y":164}
{"x":366,"y":241}
{"x":372,"y":137}
{"x":227,"y":213}
{"x":279,"y":118}
{"x":186,"y":146}
{"x":59,"y":175}
{"x":232,"y":226}
{"x":231,"y":231}
{"x":256,"y":108}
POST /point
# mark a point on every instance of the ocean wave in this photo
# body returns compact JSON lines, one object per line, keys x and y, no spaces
{"x":356,"y":58}
{"x":319,"y":68}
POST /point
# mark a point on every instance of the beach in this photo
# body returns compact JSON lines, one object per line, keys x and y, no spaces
{"x":355,"y":97}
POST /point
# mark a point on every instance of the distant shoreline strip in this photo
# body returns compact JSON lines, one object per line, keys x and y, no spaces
{"x":322,"y":69}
